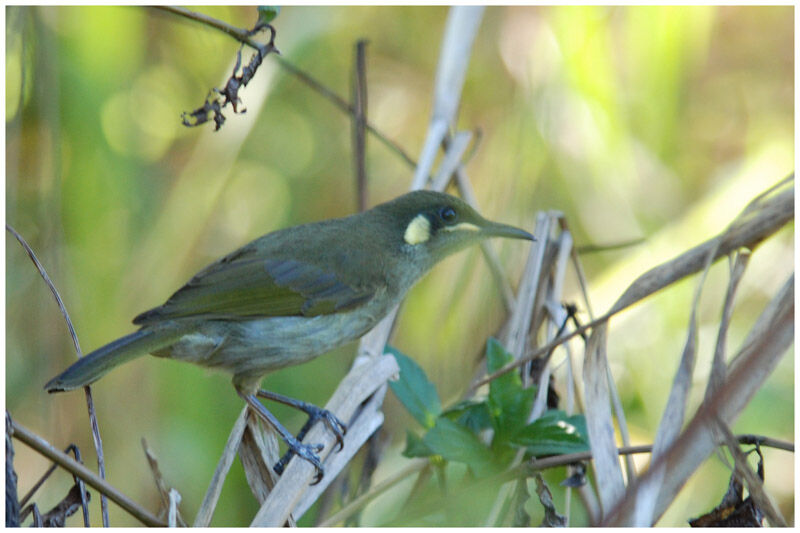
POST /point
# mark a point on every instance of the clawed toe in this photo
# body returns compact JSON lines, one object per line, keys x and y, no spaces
{"x":307,"y":452}
{"x":337,"y":427}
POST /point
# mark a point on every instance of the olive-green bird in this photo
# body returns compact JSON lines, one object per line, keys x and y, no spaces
{"x":294,"y":294}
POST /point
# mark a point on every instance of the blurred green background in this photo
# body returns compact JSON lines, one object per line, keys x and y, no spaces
{"x":654,"y":122}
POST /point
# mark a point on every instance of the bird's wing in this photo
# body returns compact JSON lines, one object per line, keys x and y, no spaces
{"x":243,"y":285}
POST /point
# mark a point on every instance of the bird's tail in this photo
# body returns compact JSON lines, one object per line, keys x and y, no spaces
{"x":95,"y":365}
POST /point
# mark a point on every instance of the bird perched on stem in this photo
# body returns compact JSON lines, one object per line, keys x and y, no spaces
{"x":294,"y":294}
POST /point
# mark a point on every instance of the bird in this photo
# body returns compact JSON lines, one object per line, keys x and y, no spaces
{"x":294,"y":294}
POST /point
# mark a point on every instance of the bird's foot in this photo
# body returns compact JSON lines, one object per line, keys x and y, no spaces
{"x":307,"y":452}
{"x":315,"y":414}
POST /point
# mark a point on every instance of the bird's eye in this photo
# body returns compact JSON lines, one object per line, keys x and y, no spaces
{"x":448,"y":214}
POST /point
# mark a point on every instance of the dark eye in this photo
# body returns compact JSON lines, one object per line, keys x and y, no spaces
{"x":448,"y":214}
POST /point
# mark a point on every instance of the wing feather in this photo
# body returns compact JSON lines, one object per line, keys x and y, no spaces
{"x":243,"y":285}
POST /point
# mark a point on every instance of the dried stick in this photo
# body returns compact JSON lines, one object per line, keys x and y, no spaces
{"x":36,"y":442}
{"x":203,"y":517}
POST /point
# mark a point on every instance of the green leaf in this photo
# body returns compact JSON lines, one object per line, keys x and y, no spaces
{"x":509,"y":404}
{"x":553,"y":434}
{"x":267,"y":14}
{"x":456,"y":443}
{"x":415,"y":446}
{"x":496,"y":356}
{"x":471,"y":414}
{"x":415,"y":391}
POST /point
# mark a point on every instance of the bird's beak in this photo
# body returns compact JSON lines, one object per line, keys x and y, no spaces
{"x":494,"y":229}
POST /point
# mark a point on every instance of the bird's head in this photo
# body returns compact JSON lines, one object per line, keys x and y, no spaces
{"x":438,"y":224}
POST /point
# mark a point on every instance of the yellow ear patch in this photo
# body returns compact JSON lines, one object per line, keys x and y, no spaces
{"x":418,"y":230}
{"x":466,"y":226}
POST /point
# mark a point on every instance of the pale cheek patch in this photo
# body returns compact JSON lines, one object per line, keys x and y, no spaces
{"x":465,"y":226}
{"x":418,"y":230}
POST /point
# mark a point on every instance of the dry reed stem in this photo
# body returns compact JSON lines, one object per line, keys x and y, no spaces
{"x":760,"y":219}
{"x":718,"y":365}
{"x":673,"y":416}
{"x":768,"y":340}
{"x":258,"y":451}
{"x":209,"y":503}
{"x":453,"y":156}
{"x":771,"y":216}
{"x":459,"y":35}
{"x":599,"y":424}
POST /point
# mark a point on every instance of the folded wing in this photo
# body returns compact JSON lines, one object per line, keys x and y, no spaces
{"x":243,"y":285}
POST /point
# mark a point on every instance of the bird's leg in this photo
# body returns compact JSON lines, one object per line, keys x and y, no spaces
{"x":337,"y":427}
{"x":305,"y":451}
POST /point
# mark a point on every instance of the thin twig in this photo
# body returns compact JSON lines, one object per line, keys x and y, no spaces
{"x":50,"y":285}
{"x":342,"y":104}
{"x":595,"y":248}
{"x":79,"y":482}
{"x":242,"y":36}
{"x":36,"y":442}
{"x":98,"y":442}
{"x":360,"y":122}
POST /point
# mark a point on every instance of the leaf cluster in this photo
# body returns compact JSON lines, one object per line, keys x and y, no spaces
{"x":485,"y":434}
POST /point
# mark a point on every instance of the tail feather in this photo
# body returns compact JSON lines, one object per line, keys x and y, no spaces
{"x":95,"y":365}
